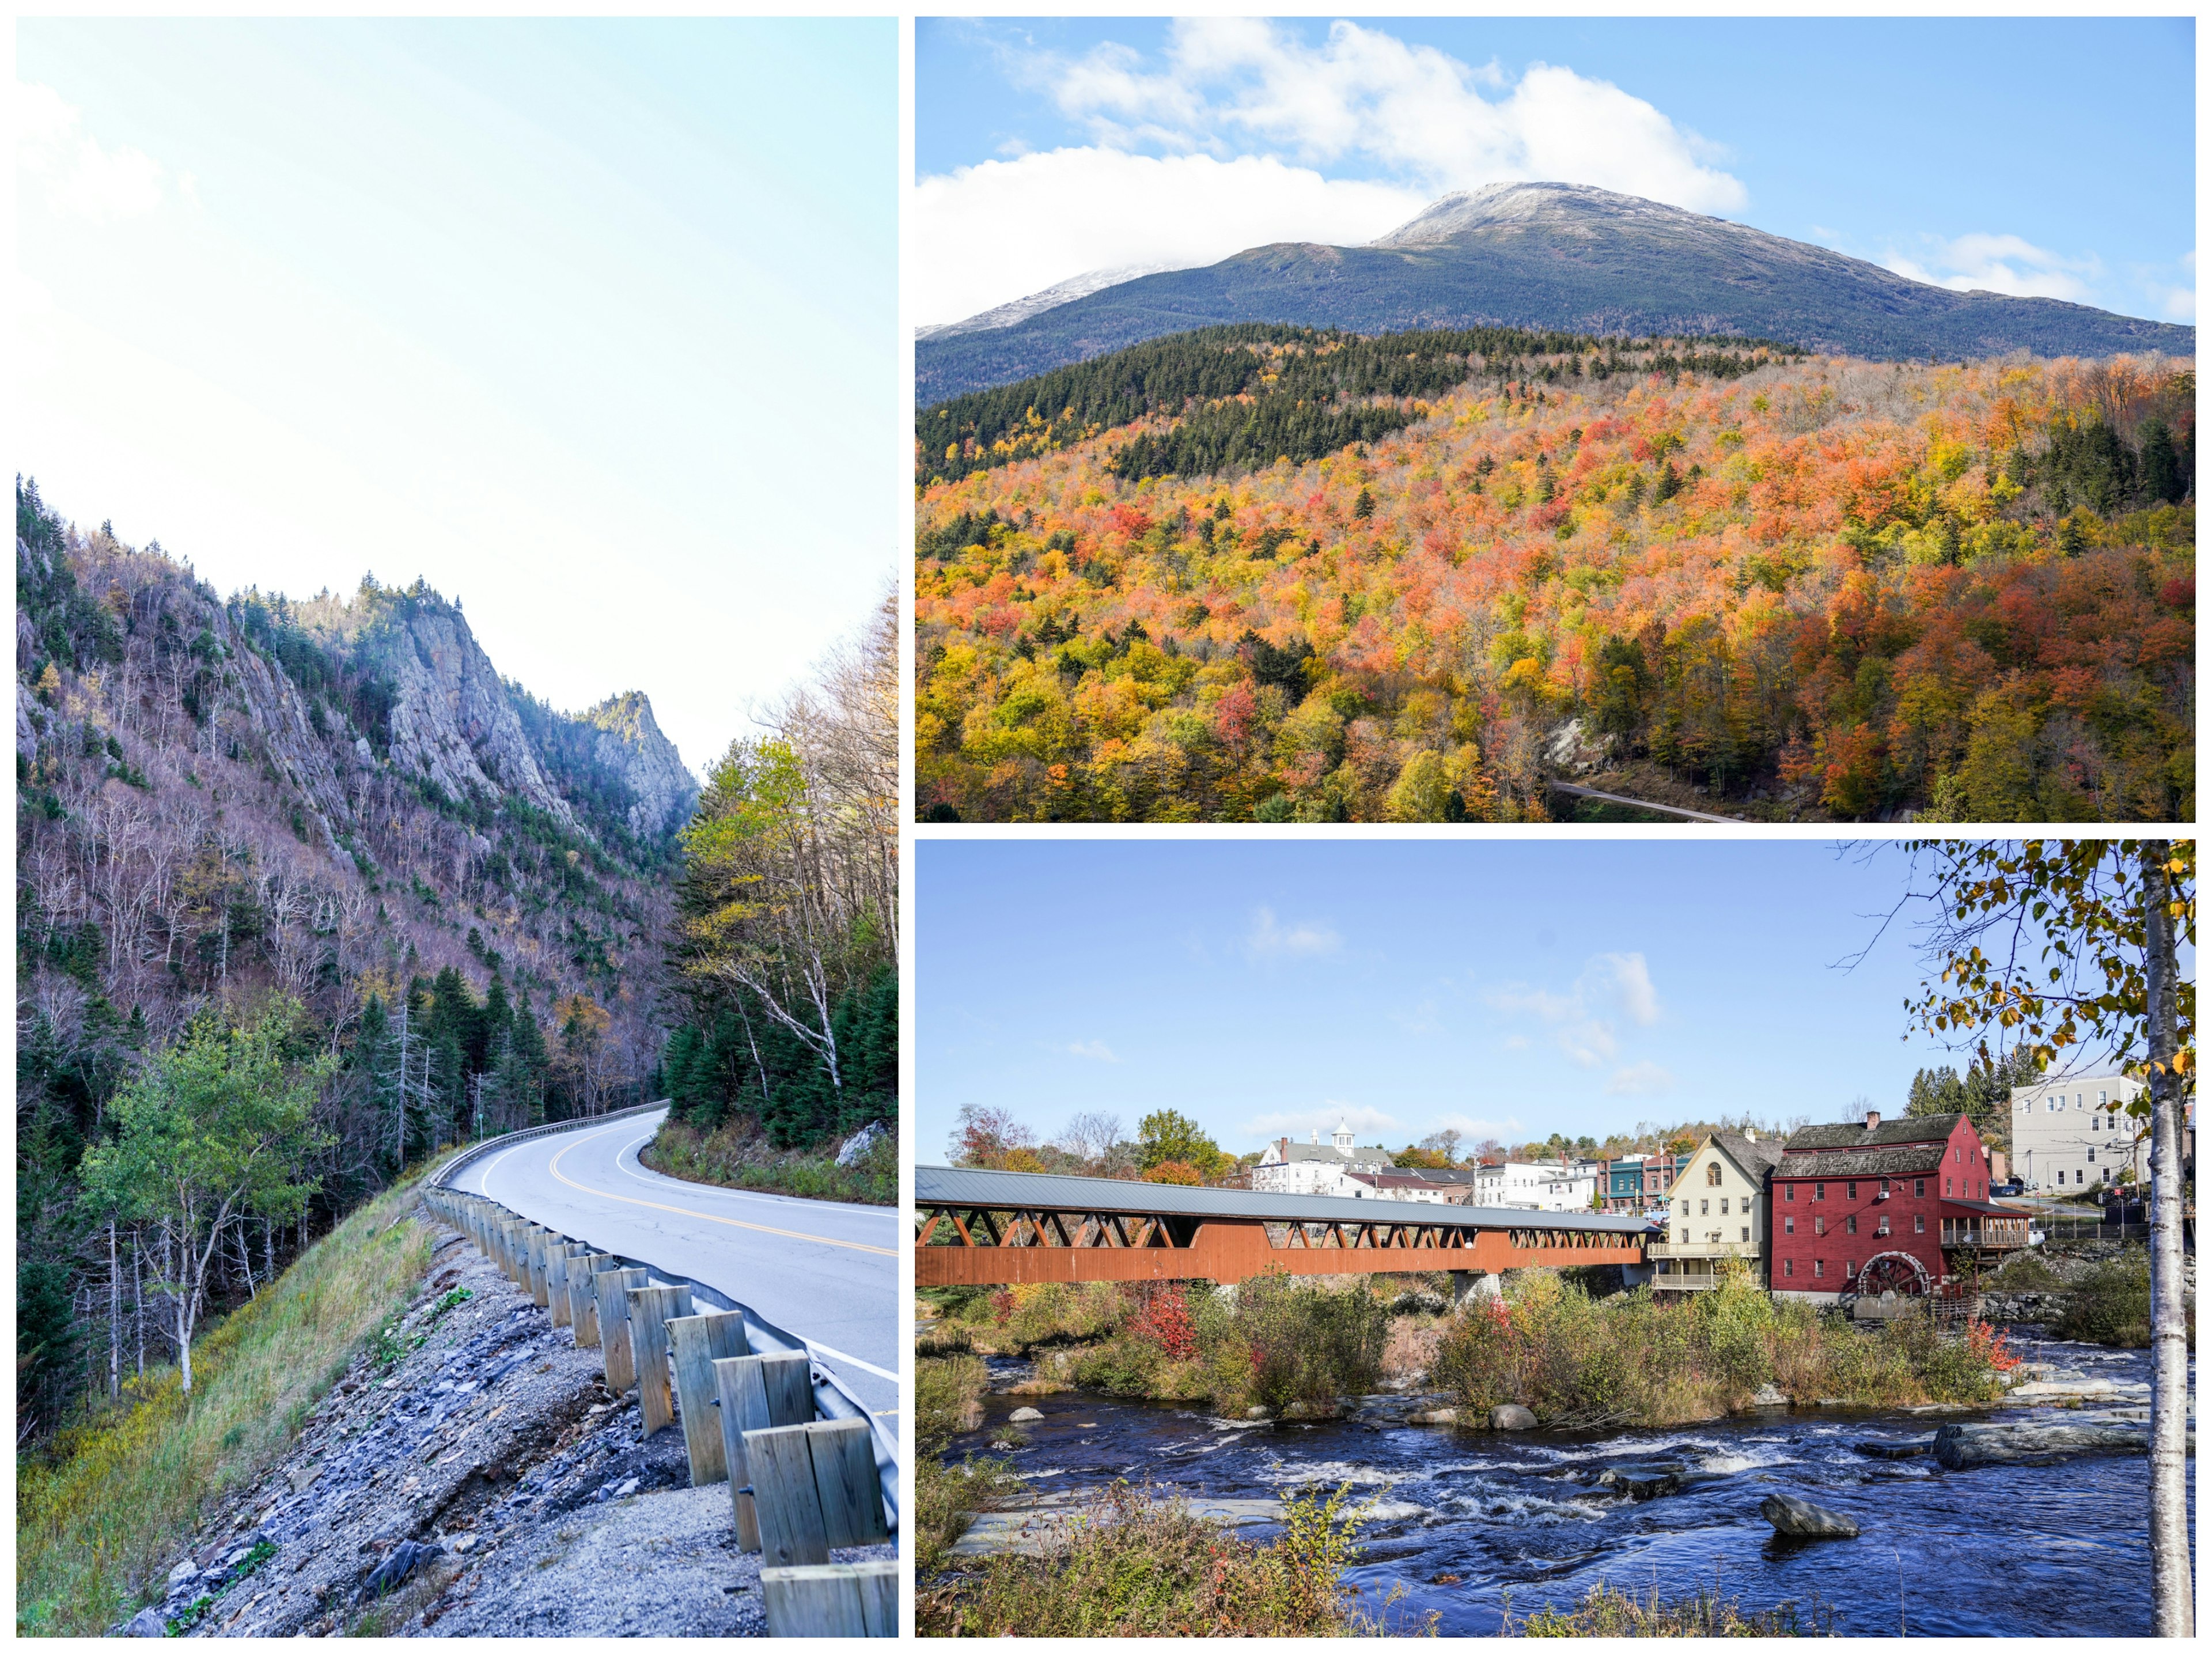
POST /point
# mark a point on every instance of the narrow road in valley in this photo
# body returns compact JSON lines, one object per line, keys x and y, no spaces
{"x":823,"y":1272}
{"x":1641,"y":803}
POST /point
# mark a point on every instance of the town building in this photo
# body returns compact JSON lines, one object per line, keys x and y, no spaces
{"x":1639,"y":1183}
{"x":1319,"y":1168}
{"x":1900,"y":1205}
{"x":1452,"y":1186}
{"x":1718,"y":1209}
{"x":1561,"y":1185}
{"x":2066,"y":1134}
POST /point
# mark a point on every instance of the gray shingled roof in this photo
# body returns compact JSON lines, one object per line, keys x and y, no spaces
{"x":1889,"y":1133}
{"x":1036,"y":1191}
{"x":1754,"y":1155}
{"x":1912,"y":1160}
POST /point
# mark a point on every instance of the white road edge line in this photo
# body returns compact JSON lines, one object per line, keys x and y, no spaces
{"x":812,"y":1348}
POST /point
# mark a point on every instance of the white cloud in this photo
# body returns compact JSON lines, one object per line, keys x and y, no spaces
{"x":1302,"y":1123}
{"x":1269,"y":939}
{"x":1003,"y":229}
{"x":2174,"y":302}
{"x":1223,"y":144}
{"x":2000,"y":263}
{"x":78,"y":175}
{"x":1640,"y":1080}
{"x":1096,"y":1050}
{"x":1585,"y":1020}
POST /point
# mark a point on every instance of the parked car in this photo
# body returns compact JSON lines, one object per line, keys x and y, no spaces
{"x":2011,"y":1186}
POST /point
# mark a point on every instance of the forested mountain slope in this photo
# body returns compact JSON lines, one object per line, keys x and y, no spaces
{"x":331,"y":822}
{"x":1548,"y":256}
{"x":1820,"y":588}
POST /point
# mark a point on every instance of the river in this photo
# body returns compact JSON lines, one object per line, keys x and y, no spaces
{"x":1463,"y":1521}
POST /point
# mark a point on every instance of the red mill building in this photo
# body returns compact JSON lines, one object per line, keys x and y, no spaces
{"x":1900,"y":1205}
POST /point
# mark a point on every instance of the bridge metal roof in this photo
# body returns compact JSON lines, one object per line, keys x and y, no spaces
{"x":1050,"y":1192}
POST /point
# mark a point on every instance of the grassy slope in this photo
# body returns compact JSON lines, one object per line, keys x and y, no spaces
{"x":97,"y":1521}
{"x":737,"y":1157}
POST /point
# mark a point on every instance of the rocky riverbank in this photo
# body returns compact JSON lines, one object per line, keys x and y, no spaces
{"x":471,"y":1475}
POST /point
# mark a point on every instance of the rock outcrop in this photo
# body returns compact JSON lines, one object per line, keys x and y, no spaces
{"x":632,"y":748}
{"x":1796,"y":1519}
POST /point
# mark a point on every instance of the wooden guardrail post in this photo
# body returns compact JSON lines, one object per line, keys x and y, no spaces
{"x":698,"y":1341}
{"x":845,"y":1482}
{"x":540,"y":1238}
{"x":612,"y":1286}
{"x":518,"y":1265}
{"x":757,"y":1392}
{"x":557,"y":1278}
{"x":583,"y":1298}
{"x":782,"y":1461}
{"x":650,"y":1309}
{"x":835,"y":1599}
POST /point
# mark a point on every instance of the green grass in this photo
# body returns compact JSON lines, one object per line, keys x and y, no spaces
{"x":948,"y":1400}
{"x":1609,"y":1612}
{"x":101,"y":1512}
{"x":1134,"y":1565}
{"x":1582,"y":1362}
{"x":736,"y":1157}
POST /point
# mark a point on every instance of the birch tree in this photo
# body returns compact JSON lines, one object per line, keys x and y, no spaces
{"x":2070,"y":946}
{"x":216,"y":1128}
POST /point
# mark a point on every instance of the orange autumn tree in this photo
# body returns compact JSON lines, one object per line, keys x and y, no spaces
{"x":1816,"y":588}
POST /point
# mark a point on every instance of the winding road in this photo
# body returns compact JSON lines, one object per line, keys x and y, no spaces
{"x":823,"y":1272}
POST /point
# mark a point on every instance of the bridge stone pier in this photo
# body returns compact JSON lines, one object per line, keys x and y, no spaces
{"x":1004,"y":1228}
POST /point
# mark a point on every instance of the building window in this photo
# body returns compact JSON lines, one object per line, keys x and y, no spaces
{"x":1789,"y":1265}
{"x":1746,"y":1231}
{"x":1790,"y":1225}
{"x":1882,"y":1228}
{"x":1851,"y":1223}
{"x":2077,"y":1174}
{"x":1724,"y":1204}
{"x":1946,"y":1187}
{"x":2093,"y":1156}
{"x":1713,"y":1174}
{"x":1820,"y":1225}
{"x":1919,"y":1187}
{"x":2103,"y":1100}
{"x":1884,"y":1185}
{"x":1789,"y":1191}
{"x":1819,"y":1268}
{"x":1704,"y":1208}
{"x":1851,"y":1191}
{"x":1919,"y":1224}
{"x":1819,"y":1191}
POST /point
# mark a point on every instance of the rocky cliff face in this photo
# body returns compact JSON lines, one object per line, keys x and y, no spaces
{"x":451,"y":721}
{"x":631,"y":747}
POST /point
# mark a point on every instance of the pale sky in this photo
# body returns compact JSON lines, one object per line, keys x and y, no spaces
{"x":2053,"y":156}
{"x":592,"y":324}
{"x":1505,"y":987}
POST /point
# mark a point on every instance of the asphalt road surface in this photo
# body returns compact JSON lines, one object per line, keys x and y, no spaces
{"x":822,"y":1272}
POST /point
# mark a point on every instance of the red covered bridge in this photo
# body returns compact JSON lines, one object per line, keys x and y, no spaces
{"x":1003,"y":1228}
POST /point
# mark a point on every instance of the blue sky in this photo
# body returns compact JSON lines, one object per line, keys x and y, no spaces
{"x":1508,"y":988}
{"x":2030,"y":155}
{"x":592,"y":324}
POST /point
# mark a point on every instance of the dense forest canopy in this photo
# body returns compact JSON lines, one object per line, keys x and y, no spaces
{"x":787,"y":945}
{"x":235,"y":857}
{"x":1817,"y":588}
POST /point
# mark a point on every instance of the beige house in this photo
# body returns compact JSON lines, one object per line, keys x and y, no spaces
{"x":1718,"y":1209}
{"x":2066,"y":1134}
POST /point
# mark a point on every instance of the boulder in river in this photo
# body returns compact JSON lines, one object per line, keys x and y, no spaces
{"x":1796,"y":1519}
{"x":1767,"y":1395}
{"x":1891,"y":1450}
{"x":1964,"y":1447}
{"x":1641,"y":1482}
{"x":1510,"y":1415}
{"x":1442,"y":1415}
{"x":1024,"y":1415}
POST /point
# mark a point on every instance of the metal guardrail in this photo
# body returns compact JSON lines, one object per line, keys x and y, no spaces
{"x":831,"y":1399}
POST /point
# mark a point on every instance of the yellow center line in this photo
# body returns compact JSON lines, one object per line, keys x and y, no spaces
{"x":554,"y":1166}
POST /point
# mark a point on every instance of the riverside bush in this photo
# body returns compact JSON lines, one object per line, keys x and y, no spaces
{"x":2109,"y":1303}
{"x":1134,"y":1565}
{"x":1608,"y":1611}
{"x":1273,"y":1342}
{"x":1577,"y":1361}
